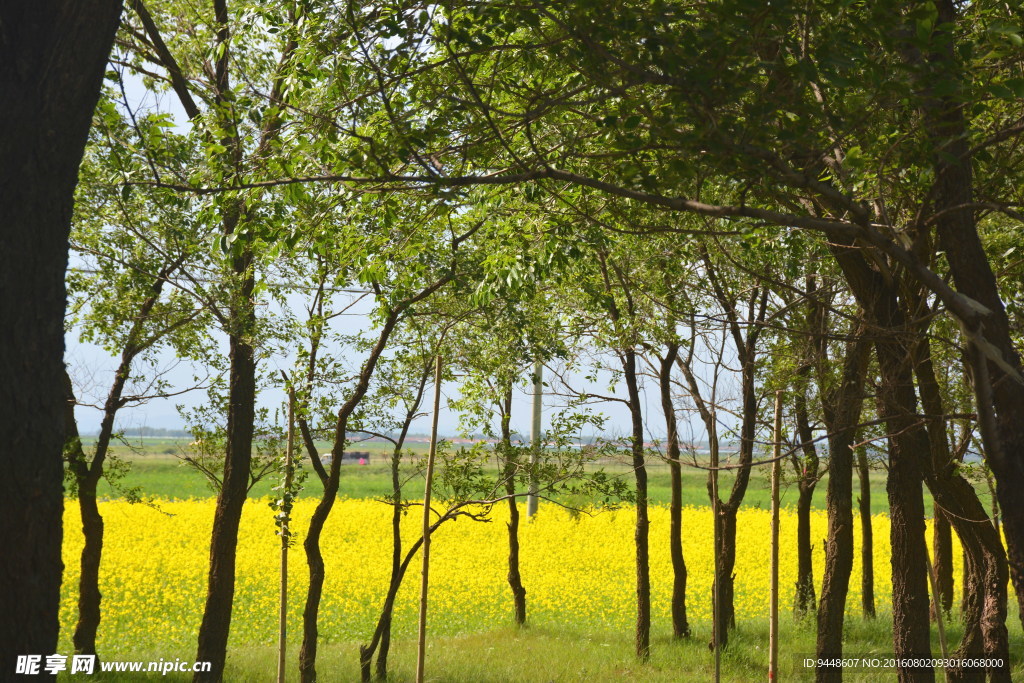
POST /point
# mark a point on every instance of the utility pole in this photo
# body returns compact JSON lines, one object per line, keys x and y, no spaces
{"x":538,"y":400}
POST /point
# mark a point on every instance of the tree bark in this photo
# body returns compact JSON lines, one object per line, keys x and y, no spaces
{"x":804,"y":600}
{"x":680,"y":625}
{"x":84,"y":638}
{"x":985,"y":566}
{"x":841,"y":408}
{"x":52,"y":59}
{"x":999,"y":389}
{"x":867,"y":545}
{"x":515,"y":580}
{"x":641,"y":531}
{"x":216,"y":623}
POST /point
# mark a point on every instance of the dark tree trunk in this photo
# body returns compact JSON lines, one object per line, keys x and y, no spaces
{"x":956,"y":502}
{"x":746,"y":350}
{"x":841,"y":408}
{"x":627,"y":357}
{"x":998,"y":387}
{"x":807,"y":480}
{"x":88,"y":473}
{"x":941,"y":462}
{"x":641,"y":532}
{"x":515,"y":581}
{"x":52,"y":60}
{"x":315,"y":561}
{"x":908,"y":446}
{"x":241,"y":323}
{"x":896,"y":404}
{"x":867,"y":547}
{"x":216,"y":623}
{"x":942,"y":560}
{"x":804,"y":601}
{"x":725,"y":579}
{"x":986,"y":574}
{"x":84,"y":638}
{"x":680,"y":625}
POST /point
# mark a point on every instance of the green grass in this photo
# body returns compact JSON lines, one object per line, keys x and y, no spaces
{"x":546,"y":652}
{"x":156,"y":471}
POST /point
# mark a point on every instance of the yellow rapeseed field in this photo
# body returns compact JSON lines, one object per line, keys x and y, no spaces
{"x":577,"y":570}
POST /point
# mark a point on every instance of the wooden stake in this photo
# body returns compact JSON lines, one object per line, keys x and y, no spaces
{"x":773,"y":619}
{"x":538,"y":401}
{"x":421,"y":648}
{"x":716,"y":593}
{"x":283,"y":618}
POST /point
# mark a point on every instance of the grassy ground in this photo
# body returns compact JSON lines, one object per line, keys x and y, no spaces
{"x":543,"y":653}
{"x":157,"y":472}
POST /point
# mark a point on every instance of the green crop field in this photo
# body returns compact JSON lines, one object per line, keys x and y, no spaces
{"x":156,"y":471}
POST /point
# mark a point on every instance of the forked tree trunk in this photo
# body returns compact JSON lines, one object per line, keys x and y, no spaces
{"x":985,"y":567}
{"x":998,"y":386}
{"x":52,"y":58}
{"x":985,"y":576}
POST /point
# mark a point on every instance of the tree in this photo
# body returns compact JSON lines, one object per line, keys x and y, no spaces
{"x":52,"y":59}
{"x":235,"y":108}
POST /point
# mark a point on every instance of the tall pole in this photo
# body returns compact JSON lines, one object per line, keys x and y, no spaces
{"x":773,"y":619}
{"x":421,"y":648}
{"x":285,"y":539}
{"x":716,"y":593}
{"x":538,"y":400}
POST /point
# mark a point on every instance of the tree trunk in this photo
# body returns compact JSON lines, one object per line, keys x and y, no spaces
{"x":724,"y":581}
{"x":985,"y":567}
{"x":515,"y":581}
{"x":908,"y":443}
{"x":941,"y":462}
{"x":842,"y":408}
{"x":314,"y":558}
{"x":942,"y":562}
{"x":640,"y":535}
{"x":216,"y":623}
{"x":315,"y":561}
{"x":986,"y":574}
{"x":867,"y":546}
{"x":680,"y":625}
{"x":807,"y":474}
{"x":804,"y":600}
{"x":998,"y":387}
{"x":52,"y":59}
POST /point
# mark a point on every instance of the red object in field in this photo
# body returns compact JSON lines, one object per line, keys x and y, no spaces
{"x":362,"y":461}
